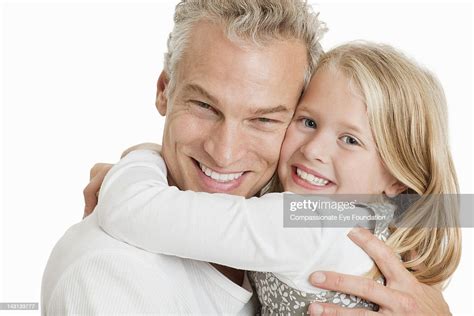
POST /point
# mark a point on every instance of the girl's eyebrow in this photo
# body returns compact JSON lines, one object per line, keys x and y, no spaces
{"x":352,"y":127}
{"x":303,"y":107}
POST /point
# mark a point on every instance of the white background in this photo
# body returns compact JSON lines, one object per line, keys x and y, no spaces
{"x":78,"y":84}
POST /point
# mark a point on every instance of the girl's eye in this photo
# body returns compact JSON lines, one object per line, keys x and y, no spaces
{"x":309,"y":123}
{"x":350,"y":140}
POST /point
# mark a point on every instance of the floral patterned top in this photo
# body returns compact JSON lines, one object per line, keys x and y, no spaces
{"x":278,"y":298}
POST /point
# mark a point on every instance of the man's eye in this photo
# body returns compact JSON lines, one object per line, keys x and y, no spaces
{"x":265,"y":120}
{"x":202,"y":105}
{"x":350,"y":140}
{"x":309,"y":123}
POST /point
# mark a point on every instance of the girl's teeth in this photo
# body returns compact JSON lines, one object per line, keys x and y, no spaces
{"x":220,"y":177}
{"x":310,"y":178}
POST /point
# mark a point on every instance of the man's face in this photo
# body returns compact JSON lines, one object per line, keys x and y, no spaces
{"x":227,"y":117}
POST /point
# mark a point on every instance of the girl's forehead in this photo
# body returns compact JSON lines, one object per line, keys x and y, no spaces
{"x":330,"y":91}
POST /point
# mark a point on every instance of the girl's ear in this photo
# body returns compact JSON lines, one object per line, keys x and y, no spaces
{"x":161,"y":101}
{"x":395,"y":188}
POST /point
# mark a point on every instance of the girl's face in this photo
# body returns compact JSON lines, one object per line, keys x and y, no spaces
{"x":329,"y":147}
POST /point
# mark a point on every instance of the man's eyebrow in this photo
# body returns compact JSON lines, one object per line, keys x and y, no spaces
{"x":275,"y":109}
{"x":192,"y":87}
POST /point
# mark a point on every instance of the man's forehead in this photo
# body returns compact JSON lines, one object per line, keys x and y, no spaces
{"x":209,"y":48}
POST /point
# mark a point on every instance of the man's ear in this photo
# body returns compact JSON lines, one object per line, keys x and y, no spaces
{"x":395,"y":188}
{"x":161,"y":101}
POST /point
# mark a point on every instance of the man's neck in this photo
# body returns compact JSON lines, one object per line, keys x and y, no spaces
{"x":236,"y":276}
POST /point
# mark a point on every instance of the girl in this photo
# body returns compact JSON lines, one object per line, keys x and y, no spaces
{"x":370,"y":122}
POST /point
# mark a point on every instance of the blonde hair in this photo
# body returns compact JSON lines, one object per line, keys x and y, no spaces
{"x":407,"y":112}
{"x":257,"y":21}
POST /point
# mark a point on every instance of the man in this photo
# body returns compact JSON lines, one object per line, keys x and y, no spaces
{"x":233,"y":75}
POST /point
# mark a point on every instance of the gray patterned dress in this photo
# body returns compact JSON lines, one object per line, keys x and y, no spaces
{"x":278,"y":298}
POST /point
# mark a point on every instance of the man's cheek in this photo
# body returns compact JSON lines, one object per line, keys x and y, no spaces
{"x":277,"y":145}
{"x":272,"y":159}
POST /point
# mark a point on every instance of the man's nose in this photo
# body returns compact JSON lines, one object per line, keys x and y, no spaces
{"x":226,"y":144}
{"x":318,"y":146}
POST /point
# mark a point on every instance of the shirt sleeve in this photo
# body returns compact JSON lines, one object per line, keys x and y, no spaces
{"x":137,"y":206}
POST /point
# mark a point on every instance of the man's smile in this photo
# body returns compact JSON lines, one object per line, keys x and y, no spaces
{"x":219,"y":181}
{"x":220,"y":177}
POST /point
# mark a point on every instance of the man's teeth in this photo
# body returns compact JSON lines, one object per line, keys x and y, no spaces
{"x":220,"y":177}
{"x":311,"y":178}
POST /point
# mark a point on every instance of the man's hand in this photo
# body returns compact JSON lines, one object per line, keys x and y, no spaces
{"x":97,"y":175}
{"x":403,"y":294}
{"x":91,"y":191}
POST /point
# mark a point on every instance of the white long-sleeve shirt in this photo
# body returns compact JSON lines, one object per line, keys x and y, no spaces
{"x":91,"y":273}
{"x":136,"y":205}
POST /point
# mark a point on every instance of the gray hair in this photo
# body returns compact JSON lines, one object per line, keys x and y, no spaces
{"x":256,"y":21}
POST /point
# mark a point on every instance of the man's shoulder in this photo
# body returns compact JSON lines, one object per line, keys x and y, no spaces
{"x":87,"y":260}
{"x":83,"y":239}
{"x":89,"y":272}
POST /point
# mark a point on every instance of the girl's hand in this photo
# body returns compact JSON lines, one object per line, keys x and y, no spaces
{"x":403,"y":294}
{"x":91,"y":191}
{"x":97,"y":175}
